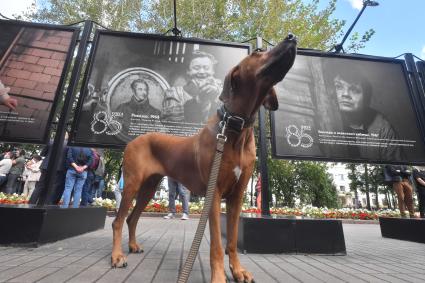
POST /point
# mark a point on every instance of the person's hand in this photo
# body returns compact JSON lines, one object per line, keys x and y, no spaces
{"x":11,"y":103}
{"x":209,"y":90}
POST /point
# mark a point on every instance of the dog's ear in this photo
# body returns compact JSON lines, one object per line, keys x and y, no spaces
{"x":228,"y":85}
{"x":270,"y":102}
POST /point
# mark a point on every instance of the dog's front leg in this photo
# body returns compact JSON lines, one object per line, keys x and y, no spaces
{"x":233,"y":209}
{"x":117,"y":258}
{"x":216,"y":248}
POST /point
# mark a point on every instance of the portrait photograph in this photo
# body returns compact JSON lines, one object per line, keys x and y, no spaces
{"x":139,"y":83}
{"x":347,"y":109}
{"x":33,"y":61}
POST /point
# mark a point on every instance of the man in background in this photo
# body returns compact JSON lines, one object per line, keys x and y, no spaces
{"x":15,"y":172}
{"x":419,"y":176}
{"x":5,"y":165}
{"x":78,"y":161}
{"x":175,"y":188}
{"x":398,"y":177}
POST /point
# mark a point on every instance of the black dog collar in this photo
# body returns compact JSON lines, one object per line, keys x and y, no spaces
{"x":234,"y":122}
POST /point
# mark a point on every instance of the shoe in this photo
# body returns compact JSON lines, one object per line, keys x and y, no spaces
{"x":169,"y":216}
{"x":185,"y":216}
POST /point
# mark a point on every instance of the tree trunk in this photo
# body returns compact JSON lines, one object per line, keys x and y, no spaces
{"x":387,"y":197}
{"x":356,"y":197}
{"x":366,"y":184}
{"x":377,"y":197}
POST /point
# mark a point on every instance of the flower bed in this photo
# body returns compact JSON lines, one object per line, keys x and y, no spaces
{"x":12,"y":199}
{"x":307,"y":211}
{"x":196,"y":208}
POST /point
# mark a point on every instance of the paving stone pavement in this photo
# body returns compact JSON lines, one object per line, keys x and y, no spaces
{"x":86,"y":258}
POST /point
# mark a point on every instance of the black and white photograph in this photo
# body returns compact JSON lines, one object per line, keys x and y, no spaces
{"x":33,"y":60}
{"x":342,"y":108}
{"x":140,"y":83}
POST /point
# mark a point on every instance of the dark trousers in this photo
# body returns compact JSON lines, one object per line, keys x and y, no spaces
{"x":421,"y":200}
{"x":41,"y":189}
{"x":12,"y":184}
{"x":87,"y":194}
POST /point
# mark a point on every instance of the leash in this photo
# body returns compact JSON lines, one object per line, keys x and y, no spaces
{"x":193,"y":252}
{"x":232,"y":123}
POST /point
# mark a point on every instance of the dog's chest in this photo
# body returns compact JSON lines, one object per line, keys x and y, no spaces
{"x":238,"y":172}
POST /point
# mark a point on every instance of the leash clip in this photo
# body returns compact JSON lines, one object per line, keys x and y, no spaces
{"x":222,"y":136}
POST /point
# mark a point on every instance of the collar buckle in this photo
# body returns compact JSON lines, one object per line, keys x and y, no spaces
{"x":234,"y":122}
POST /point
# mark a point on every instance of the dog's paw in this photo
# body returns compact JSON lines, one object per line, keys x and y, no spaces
{"x":135,"y":248}
{"x":118,"y":261}
{"x":242,"y":275}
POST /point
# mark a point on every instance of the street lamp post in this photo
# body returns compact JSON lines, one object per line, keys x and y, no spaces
{"x":366,"y":3}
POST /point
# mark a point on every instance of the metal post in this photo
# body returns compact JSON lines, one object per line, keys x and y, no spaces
{"x":418,"y":96}
{"x":259,"y":43}
{"x":262,"y":140}
{"x":420,"y":66}
{"x":366,"y":3}
{"x":56,"y":149}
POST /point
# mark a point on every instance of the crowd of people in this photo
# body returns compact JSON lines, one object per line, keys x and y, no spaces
{"x":80,"y":179}
{"x":79,"y":176}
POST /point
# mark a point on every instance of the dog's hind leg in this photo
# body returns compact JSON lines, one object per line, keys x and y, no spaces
{"x":233,"y":210}
{"x":131,"y":187}
{"x":146,"y":193}
{"x":216,"y":247}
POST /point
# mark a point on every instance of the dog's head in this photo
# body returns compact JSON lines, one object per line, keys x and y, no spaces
{"x":250,"y":84}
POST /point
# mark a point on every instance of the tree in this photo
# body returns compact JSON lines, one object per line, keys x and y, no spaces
{"x":282,"y":181}
{"x":354,"y":176}
{"x":365,"y":181}
{"x":306,"y":181}
{"x":230,"y":20}
{"x":315,"y":185}
{"x":376,"y":179}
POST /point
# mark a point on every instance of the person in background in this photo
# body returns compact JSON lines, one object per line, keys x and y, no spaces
{"x":86,"y":196}
{"x":118,"y":191}
{"x":419,"y":176}
{"x":5,"y":165}
{"x":33,"y":167}
{"x":5,"y":99}
{"x":99,"y":181}
{"x":398,"y":177}
{"x":258,"y":192}
{"x":78,"y":161}
{"x":40,"y":186}
{"x":175,"y":188}
{"x":15,"y":172}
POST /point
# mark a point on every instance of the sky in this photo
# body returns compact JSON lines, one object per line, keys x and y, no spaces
{"x":399,"y":24}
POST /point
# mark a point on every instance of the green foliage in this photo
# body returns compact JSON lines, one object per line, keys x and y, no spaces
{"x":315,"y":185}
{"x":305,"y":181}
{"x":113,"y":159}
{"x":229,"y":20}
{"x":30,"y":149}
{"x":282,"y":181}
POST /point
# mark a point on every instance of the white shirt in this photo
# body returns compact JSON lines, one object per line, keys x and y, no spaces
{"x":5,"y":166}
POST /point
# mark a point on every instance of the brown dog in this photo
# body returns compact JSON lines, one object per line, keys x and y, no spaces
{"x":189,"y":159}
